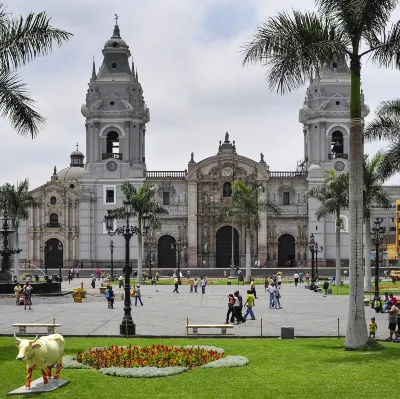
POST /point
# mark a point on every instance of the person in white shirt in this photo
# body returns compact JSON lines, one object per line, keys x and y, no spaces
{"x":272,"y":298}
{"x":279,"y":279}
{"x":296,"y":278}
{"x":278,"y":296}
{"x":203,"y":285}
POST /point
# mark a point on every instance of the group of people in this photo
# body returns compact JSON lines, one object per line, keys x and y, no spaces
{"x":72,"y":272}
{"x":235,"y":307}
{"x":392,"y":307}
{"x":26,"y":291}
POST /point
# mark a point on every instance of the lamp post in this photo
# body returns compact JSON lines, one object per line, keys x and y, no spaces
{"x":112,"y":259}
{"x":60,"y":248}
{"x":318,"y":250}
{"x":233,"y":273}
{"x":311,"y":246}
{"x":149,"y":248}
{"x":179,"y":246}
{"x":377,"y":233}
{"x":127,"y":327}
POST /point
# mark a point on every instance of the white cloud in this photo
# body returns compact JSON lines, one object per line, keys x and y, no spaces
{"x":193,"y":81}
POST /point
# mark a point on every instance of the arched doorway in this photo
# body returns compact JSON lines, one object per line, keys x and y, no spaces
{"x":54,"y":253}
{"x":166,"y":255}
{"x":286,"y":250}
{"x":224,"y":247}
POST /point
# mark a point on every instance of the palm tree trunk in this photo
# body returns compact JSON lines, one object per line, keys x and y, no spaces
{"x":140,"y":250}
{"x":338,"y":279}
{"x":356,"y":334}
{"x":16,"y":256}
{"x":248,"y":255}
{"x":367,"y":256}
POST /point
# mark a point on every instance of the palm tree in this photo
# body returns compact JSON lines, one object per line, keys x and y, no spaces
{"x":21,"y":41}
{"x":386,"y":126}
{"x":246,"y":202}
{"x":19,"y":200}
{"x":374,"y":195}
{"x":143,"y":203}
{"x":293,"y":47}
{"x":334,"y":197}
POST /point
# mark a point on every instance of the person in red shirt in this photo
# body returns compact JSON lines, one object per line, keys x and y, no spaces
{"x":393,"y":299}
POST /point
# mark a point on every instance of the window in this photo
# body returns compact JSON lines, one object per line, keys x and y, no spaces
{"x":53,"y":200}
{"x":53,"y":220}
{"x":227,"y":190}
{"x":109,"y":195}
{"x":337,"y":142}
{"x":392,"y":228}
{"x":112,"y":143}
{"x":286,"y":198}
{"x":392,"y":220}
{"x":165,"y":198}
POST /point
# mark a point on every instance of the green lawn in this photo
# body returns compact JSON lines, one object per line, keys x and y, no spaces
{"x":385,"y":286}
{"x":222,"y":281}
{"x":302,"y":368}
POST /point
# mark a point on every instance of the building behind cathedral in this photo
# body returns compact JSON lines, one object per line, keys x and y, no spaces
{"x":67,"y":225}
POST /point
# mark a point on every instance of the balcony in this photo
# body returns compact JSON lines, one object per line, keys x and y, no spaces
{"x":166,"y":174}
{"x":109,"y":155}
{"x":334,"y":155}
{"x":54,"y":225}
{"x":290,"y":175}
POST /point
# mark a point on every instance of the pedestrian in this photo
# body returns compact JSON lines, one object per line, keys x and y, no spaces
{"x":195,"y":285}
{"x":296,"y":279}
{"x":224,"y":273}
{"x":272,"y":298}
{"x":278,"y":279}
{"x":98,"y":274}
{"x":392,"y":318}
{"x":176,"y":283}
{"x":231,"y":304}
{"x":157,"y":276}
{"x":17,"y":292}
{"x":27,"y":291}
{"x":385,"y":272}
{"x":120,"y":281}
{"x":69,"y":276}
{"x":393,"y":299}
{"x":138,"y":296}
{"x":188,"y":275}
{"x":77,"y":272}
{"x":253,"y":288}
{"x":372,"y":328}
{"x":93,"y":281}
{"x":274,"y":278}
{"x":191,"y":287}
{"x":266,"y":283}
{"x":301,"y":278}
{"x":238,"y":305}
{"x":203,"y":285}
{"x":308,"y":278}
{"x":107,"y":294}
{"x":278,"y":296}
{"x":325,"y":287}
{"x":112,"y":296}
{"x":249,"y":303}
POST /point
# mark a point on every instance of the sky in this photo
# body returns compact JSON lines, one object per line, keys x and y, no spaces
{"x":188,"y":57}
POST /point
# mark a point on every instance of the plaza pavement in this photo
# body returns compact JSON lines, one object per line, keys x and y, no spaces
{"x":164,"y":313}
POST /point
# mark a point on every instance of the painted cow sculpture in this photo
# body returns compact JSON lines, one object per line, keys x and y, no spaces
{"x":41,"y":354}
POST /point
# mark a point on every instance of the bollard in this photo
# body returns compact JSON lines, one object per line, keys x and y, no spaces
{"x":261,"y":327}
{"x":82,"y":284}
{"x":287,"y":332}
{"x":338,"y":328}
{"x":187,"y":323}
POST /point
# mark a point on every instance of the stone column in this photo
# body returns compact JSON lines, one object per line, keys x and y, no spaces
{"x":125,"y":152}
{"x":96,"y":142}
{"x":262,"y":232}
{"x":192,"y":224}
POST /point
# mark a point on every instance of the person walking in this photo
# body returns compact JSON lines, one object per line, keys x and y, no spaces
{"x":120,"y":281}
{"x":266,"y":283}
{"x":392,"y":318}
{"x":69,"y":276}
{"x":188,"y":275}
{"x":249,"y":303}
{"x":373,"y":327}
{"x":278,"y":279}
{"x":253,"y":288}
{"x":301,"y":278}
{"x":93,"y":281}
{"x":176,"y":283}
{"x":278,"y":296}
{"x":107,"y":294}
{"x":27,"y":291}
{"x":17,"y":292}
{"x":157,"y":276}
{"x":231,"y":304}
{"x":203,"y":285}
{"x":238,"y":305}
{"x":240,"y":311}
{"x":98,"y":274}
{"x":296,"y":279}
{"x":138,"y":296}
{"x":272,"y":298}
{"x":308,"y":278}
{"x":112,"y":297}
{"x":195,"y":285}
{"x":77,"y":272}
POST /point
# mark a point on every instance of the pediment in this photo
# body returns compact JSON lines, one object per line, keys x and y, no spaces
{"x":335,"y":97}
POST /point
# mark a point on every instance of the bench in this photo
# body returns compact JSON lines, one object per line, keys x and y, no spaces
{"x":195,"y":327}
{"x":51,"y":328}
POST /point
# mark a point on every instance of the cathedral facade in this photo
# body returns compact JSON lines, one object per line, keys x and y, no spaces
{"x":67,"y":226}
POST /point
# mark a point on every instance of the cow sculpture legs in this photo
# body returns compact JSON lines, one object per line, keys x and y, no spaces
{"x":58,"y":370}
{"x":28,"y":377}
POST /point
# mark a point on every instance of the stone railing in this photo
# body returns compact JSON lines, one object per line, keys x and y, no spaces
{"x":150,"y":174}
{"x":291,"y":175}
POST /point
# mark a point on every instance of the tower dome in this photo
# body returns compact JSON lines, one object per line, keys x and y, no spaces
{"x":116,"y":42}
{"x":76,"y":158}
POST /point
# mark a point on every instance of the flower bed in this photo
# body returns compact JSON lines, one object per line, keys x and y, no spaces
{"x":148,"y":356}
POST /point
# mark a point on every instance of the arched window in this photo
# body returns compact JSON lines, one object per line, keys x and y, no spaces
{"x":112,"y":146}
{"x":227,"y":190}
{"x":337,"y":143}
{"x":53,"y":220}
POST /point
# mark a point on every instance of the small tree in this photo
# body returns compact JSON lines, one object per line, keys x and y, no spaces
{"x":334,"y":197}
{"x":19,"y":200}
{"x":246,"y":202}
{"x":374,"y":195}
{"x":143,"y":202}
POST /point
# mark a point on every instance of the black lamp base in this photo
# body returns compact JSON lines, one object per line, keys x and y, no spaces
{"x":127,"y":329}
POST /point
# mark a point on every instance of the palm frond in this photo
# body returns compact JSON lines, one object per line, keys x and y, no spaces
{"x":292,"y":47}
{"x":383,"y":128}
{"x":17,"y":106}
{"x":390,"y":163}
{"x":23,"y":40}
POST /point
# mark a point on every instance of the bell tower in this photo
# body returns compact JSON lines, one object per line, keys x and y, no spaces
{"x":116,"y":116}
{"x":325,"y":116}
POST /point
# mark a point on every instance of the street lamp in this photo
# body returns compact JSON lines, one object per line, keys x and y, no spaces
{"x":150,"y":248}
{"x":377,"y":233}
{"x":127,"y":327}
{"x":60,"y":248}
{"x":179,"y":246}
{"x":311,"y":246}
{"x":112,"y":259}
{"x":318,"y":250}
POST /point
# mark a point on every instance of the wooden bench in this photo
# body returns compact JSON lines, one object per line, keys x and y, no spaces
{"x":195,"y":327}
{"x":51,"y":328}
